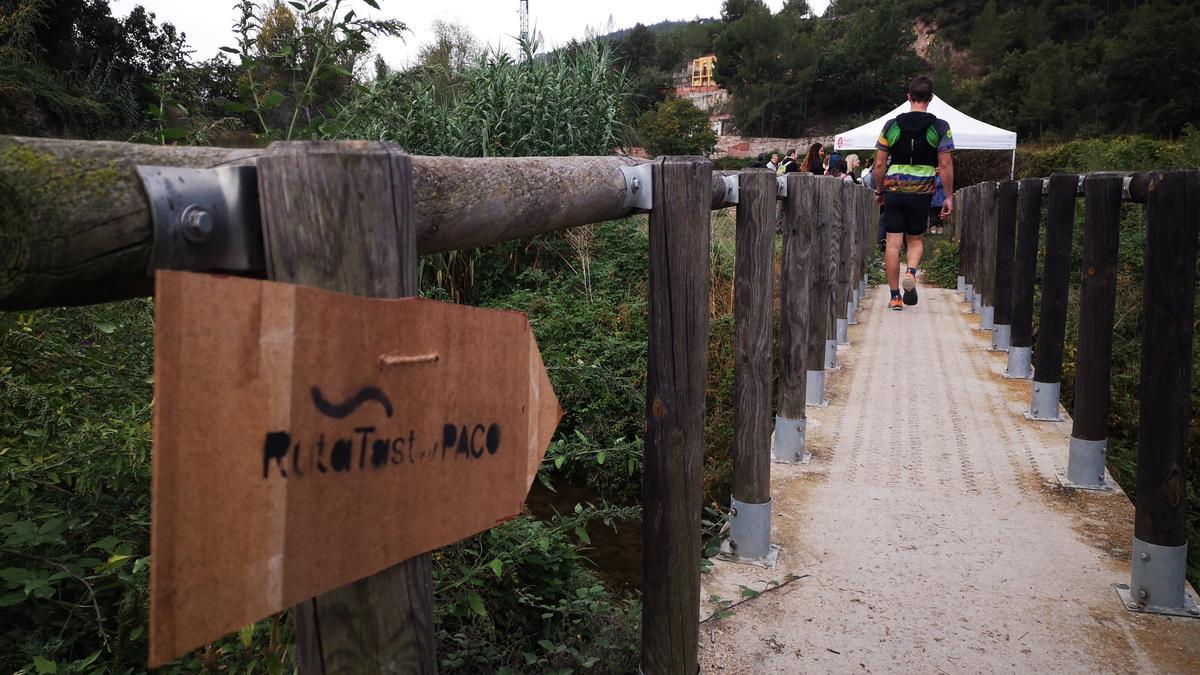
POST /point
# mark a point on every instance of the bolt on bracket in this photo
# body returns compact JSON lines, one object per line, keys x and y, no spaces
{"x":204,"y":219}
{"x":639,"y":186}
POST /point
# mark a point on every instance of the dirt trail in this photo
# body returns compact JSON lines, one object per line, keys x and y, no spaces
{"x":933,"y":531}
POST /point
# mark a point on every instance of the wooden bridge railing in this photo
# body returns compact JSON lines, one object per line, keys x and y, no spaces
{"x":78,"y":226}
{"x":1172,"y":202}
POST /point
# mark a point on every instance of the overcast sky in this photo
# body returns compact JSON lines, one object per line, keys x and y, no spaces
{"x":208,"y":23}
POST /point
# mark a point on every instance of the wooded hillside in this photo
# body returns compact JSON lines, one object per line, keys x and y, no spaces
{"x":1042,"y":68}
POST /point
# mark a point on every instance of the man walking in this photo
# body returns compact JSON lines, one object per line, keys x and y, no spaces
{"x":918,"y":146}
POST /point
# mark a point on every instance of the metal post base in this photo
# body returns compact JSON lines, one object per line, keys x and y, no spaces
{"x":1158,"y":583}
{"x":862,"y":287}
{"x":1085,"y":466}
{"x":962,"y":285}
{"x":987,"y":317}
{"x":814,"y":389}
{"x":831,"y":360}
{"x":788,"y":447}
{"x":851,"y":308}
{"x":1001,"y":337}
{"x":1044,"y":404}
{"x":749,"y":539}
{"x":974,"y":300}
{"x":1020,"y":364}
{"x":843,"y":332}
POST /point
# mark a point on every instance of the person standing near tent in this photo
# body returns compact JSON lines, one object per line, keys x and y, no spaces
{"x":791,"y":163}
{"x":812,"y":160}
{"x":919,"y":146}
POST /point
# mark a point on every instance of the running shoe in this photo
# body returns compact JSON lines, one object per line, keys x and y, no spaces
{"x":909,"y":283}
{"x":895,"y":304}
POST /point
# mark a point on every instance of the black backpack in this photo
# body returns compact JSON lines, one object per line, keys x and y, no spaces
{"x":914,"y":146}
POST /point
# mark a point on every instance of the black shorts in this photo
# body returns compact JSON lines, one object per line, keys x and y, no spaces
{"x":906,"y":214}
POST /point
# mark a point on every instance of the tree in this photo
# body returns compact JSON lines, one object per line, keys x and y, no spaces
{"x":676,"y":127}
{"x":768,"y":63}
{"x":988,"y":35}
{"x":452,"y":50}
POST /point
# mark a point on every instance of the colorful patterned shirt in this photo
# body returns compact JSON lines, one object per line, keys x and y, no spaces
{"x":914,"y":178}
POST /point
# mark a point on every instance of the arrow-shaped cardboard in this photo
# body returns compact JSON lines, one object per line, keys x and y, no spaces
{"x":304,"y":440}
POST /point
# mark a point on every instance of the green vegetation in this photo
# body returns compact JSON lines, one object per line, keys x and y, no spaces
{"x":76,"y":383}
{"x":1042,"y":68}
{"x":676,"y":127}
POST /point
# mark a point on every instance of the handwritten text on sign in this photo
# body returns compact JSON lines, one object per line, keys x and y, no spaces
{"x":297,"y":431}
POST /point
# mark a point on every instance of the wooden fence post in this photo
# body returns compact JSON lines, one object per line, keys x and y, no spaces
{"x":1029,"y":218}
{"x":1006,"y":234}
{"x":963,"y":207}
{"x":818,"y":291}
{"x":1052,"y":314}
{"x":320,"y":231}
{"x":1097,"y":306}
{"x":833,"y":266}
{"x":961,"y":237}
{"x":1158,"y":578}
{"x":754,"y":269}
{"x":985,"y":285}
{"x":849,"y":262}
{"x":674,"y":448}
{"x":979,"y":222}
{"x":974,"y":227}
{"x":795,"y":311}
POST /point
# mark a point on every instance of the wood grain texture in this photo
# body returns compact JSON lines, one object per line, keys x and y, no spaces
{"x":818,"y":287}
{"x":962,"y":234}
{"x":1056,"y":277}
{"x":836,"y":213}
{"x":1097,"y":306}
{"x":320,"y":230}
{"x":1006,"y":241}
{"x":1169,"y":296}
{"x":753,"y":300}
{"x":674,"y":449}
{"x":846,"y":245}
{"x":986,"y":255}
{"x":795,"y":307}
{"x":1029,"y":220}
{"x":75,"y":224}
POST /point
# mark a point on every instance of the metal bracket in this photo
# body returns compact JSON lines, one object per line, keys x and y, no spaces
{"x":781,"y":187}
{"x":749,"y":539}
{"x":731,"y":189}
{"x":1158,"y":581}
{"x":1085,"y":466}
{"x":639,"y":186}
{"x":1043,"y":406}
{"x":204,"y":219}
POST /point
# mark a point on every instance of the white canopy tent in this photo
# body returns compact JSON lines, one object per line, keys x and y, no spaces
{"x":969,"y":133}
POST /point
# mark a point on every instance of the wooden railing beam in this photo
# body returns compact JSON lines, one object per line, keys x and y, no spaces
{"x":76,"y":228}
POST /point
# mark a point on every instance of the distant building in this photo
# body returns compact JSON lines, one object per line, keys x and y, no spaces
{"x":702,"y":71}
{"x":697,"y":83}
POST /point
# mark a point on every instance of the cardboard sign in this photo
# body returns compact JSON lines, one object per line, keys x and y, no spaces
{"x":304,"y":440}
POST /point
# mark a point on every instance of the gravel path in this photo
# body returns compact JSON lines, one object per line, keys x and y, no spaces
{"x":932,"y":528}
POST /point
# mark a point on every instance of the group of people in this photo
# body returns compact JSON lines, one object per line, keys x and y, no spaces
{"x":816,"y":161}
{"x":913,"y":181}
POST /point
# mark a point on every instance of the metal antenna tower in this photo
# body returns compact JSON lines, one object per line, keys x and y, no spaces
{"x":525,"y":21}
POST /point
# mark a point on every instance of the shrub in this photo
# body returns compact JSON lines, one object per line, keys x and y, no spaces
{"x":676,"y":127}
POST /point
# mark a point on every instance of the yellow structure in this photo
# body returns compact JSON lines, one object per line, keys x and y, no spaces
{"x":702,"y":71}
